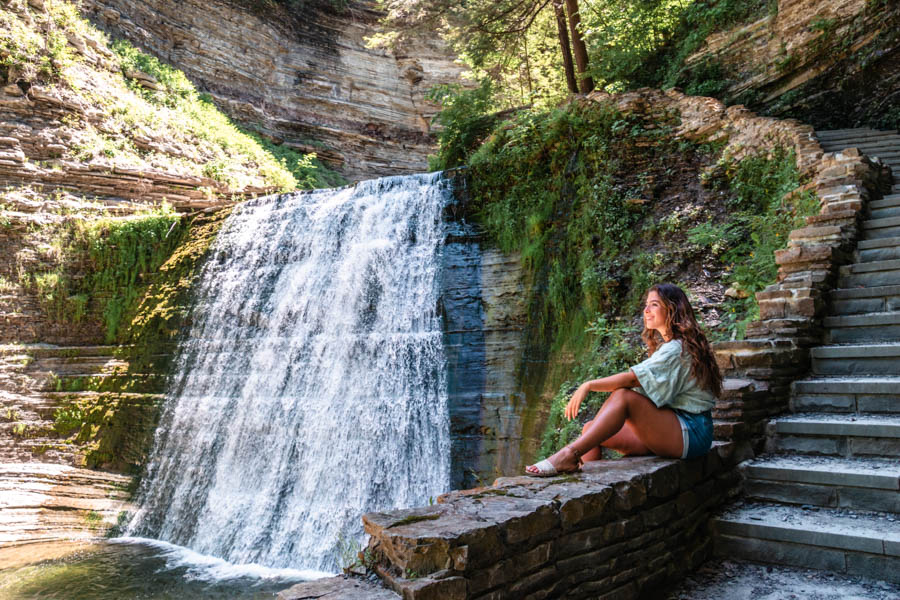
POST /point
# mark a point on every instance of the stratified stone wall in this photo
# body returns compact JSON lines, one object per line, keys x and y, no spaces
{"x":830,"y":62}
{"x":484,"y":317}
{"x":306,"y":80}
{"x":33,"y":137}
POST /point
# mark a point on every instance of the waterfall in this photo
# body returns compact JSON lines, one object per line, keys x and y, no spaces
{"x":312,"y":385}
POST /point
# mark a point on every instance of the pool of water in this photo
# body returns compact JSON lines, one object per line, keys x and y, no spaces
{"x":133,"y":568}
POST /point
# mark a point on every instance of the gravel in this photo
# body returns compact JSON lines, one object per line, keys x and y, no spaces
{"x":730,"y":580}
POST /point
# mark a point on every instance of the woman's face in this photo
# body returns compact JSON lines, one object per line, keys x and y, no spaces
{"x":655,"y":313}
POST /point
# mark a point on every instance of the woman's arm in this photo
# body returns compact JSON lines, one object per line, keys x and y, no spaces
{"x":605,"y":384}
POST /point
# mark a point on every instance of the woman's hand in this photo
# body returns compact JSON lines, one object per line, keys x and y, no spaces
{"x":575,"y":402}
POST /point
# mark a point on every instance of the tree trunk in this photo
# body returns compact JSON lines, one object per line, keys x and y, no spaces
{"x":564,"y":46}
{"x":581,"y":57}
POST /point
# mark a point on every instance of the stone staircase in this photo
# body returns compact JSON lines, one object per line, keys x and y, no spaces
{"x":827,"y":493}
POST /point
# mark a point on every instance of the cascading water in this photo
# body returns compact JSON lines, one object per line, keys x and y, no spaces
{"x":312,"y":386}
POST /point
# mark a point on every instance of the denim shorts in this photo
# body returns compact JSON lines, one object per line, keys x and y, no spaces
{"x":696,"y":431}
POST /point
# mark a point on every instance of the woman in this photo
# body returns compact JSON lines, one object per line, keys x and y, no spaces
{"x":668,"y":412}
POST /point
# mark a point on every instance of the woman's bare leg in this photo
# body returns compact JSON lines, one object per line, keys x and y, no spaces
{"x":658,"y":429}
{"x":625,"y":441}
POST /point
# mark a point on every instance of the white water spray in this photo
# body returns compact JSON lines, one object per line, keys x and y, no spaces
{"x":312,"y":386}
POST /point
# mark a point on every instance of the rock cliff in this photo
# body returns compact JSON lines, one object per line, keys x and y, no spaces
{"x":830,"y":64}
{"x":307,"y":81}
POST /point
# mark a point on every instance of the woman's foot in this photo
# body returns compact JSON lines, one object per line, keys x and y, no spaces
{"x":567,"y":460}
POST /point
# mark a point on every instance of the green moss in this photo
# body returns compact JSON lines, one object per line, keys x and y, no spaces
{"x":114,"y":424}
{"x":113,"y":430}
{"x":103,"y":265}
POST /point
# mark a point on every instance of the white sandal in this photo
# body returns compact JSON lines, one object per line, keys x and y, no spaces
{"x":546,"y":469}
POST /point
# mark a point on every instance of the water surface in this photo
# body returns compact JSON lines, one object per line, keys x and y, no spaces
{"x":131,"y":569}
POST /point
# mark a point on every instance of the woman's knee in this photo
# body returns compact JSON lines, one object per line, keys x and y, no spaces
{"x":586,"y":425}
{"x":619,"y":395}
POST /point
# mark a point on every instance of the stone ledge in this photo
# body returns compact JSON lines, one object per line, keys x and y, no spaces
{"x":626,"y":524}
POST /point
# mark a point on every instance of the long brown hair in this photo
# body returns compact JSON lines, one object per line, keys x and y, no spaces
{"x":683,"y":325}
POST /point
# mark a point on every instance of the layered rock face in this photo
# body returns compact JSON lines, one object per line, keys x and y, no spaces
{"x":831,"y":63}
{"x":485,"y":317}
{"x":305,"y":80}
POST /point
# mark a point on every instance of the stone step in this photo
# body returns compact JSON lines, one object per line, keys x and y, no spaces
{"x":887,"y":252}
{"x":864,"y":544}
{"x":886,"y":152}
{"x":861,"y":395}
{"x":877,"y":249}
{"x":886,"y":202}
{"x":874,"y":273}
{"x":884,"y":142}
{"x":863,"y":328}
{"x":865,"y":300}
{"x":836,"y":435}
{"x":881,"y":228}
{"x":885,"y":213}
{"x":861,"y":133}
{"x":870,"y":147}
{"x":830,"y":482}
{"x":858,"y":359}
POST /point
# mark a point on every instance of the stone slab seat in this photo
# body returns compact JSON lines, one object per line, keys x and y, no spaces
{"x":580,"y":535}
{"x":836,"y":435}
{"x":863,"y":328}
{"x":875,"y":299}
{"x":831,"y":482}
{"x":857,"y":359}
{"x":862,"y":395}
{"x":832,"y":539}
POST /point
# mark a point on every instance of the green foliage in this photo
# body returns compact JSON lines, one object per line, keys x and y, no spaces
{"x":764,"y":209}
{"x":176,"y":86}
{"x":196,"y":115}
{"x":700,"y":19}
{"x":464,"y":119}
{"x":68,"y":419}
{"x":37,"y":47}
{"x":103,"y":263}
{"x":543,"y":182}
